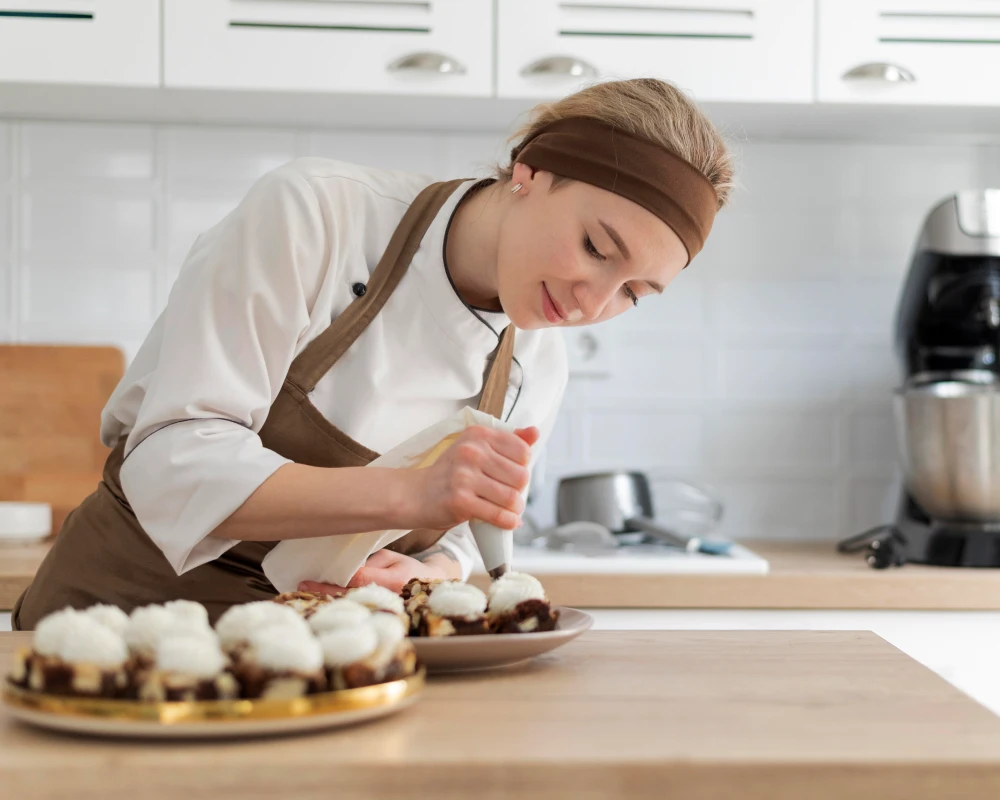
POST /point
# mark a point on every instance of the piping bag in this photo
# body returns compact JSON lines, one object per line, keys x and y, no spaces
{"x":335,"y":559}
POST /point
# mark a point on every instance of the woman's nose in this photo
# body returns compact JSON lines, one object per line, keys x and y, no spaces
{"x":593,"y":297}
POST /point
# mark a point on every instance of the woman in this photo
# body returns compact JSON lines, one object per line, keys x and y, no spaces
{"x":339,"y":310}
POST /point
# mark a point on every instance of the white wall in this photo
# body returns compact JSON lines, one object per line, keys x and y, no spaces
{"x":766,"y":370}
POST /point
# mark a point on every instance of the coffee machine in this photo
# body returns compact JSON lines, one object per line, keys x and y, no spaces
{"x":947,"y":408}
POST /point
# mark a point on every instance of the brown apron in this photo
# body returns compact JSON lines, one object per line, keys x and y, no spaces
{"x":102,"y":554}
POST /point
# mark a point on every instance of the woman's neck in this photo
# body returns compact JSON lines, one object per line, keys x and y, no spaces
{"x":471,"y":249}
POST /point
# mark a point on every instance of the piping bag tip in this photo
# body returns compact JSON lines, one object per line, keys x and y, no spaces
{"x":496,"y":546}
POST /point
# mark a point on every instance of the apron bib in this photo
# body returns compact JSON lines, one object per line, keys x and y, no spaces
{"x":102,"y":554}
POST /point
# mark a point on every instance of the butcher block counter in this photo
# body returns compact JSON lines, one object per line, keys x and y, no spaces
{"x":804,"y":575}
{"x":755,"y":715}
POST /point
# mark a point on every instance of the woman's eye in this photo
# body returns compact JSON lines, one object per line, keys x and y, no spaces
{"x":630,"y":295}
{"x":589,"y":247}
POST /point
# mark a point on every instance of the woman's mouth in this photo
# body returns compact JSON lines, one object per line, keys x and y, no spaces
{"x":549,"y":307}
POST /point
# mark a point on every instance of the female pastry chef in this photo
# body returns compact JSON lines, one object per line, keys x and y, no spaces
{"x":339,"y":310}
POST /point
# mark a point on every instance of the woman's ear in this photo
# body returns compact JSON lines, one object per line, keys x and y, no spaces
{"x":524,"y":175}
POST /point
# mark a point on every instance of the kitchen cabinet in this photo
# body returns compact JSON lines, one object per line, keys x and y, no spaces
{"x":442,"y":47}
{"x":909,"y":51}
{"x":747,"y":51}
{"x":107,"y":42}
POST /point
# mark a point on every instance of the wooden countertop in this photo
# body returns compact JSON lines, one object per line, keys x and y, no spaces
{"x":704,"y":714}
{"x":804,"y":575}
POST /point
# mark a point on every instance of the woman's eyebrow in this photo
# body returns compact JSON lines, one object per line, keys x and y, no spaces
{"x":616,"y":239}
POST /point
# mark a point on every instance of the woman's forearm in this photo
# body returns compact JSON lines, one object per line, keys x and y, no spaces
{"x":300,"y":502}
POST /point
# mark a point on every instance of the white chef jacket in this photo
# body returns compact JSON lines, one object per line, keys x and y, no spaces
{"x":252,"y":293}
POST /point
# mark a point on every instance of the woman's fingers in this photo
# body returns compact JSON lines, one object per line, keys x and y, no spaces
{"x":322,"y":588}
{"x":530,"y":436}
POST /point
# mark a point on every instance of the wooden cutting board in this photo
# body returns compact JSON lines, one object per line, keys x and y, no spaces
{"x":51,"y":399}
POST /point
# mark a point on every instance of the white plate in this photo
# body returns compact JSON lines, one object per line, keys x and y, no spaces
{"x":225,"y":719}
{"x":474,"y":653}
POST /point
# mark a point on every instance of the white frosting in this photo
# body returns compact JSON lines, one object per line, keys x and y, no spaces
{"x":506,"y":595}
{"x":377,"y":597}
{"x":188,"y":610}
{"x":239,"y":622}
{"x":148,"y":624}
{"x":345,"y":646}
{"x":51,"y":631}
{"x":521,"y":578}
{"x":457,"y":600}
{"x":341,"y":613}
{"x":90,"y":642}
{"x":281,"y":648}
{"x":189,"y":655}
{"x":390,"y":630}
{"x":109,"y":616}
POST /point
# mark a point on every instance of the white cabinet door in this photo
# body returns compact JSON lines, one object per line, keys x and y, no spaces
{"x":112,"y":42}
{"x":404,"y":47}
{"x":909,"y":51}
{"x":744,"y":50}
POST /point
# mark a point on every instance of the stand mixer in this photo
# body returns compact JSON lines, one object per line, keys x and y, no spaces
{"x":947,"y":409}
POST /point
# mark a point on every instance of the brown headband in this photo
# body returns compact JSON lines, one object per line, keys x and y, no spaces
{"x":594,"y":152}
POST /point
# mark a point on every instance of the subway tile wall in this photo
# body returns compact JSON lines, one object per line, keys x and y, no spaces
{"x":765,"y":372}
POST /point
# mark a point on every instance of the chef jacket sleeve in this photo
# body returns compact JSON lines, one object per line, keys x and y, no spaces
{"x":230,"y":332}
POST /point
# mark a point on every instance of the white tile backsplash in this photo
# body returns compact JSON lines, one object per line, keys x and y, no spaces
{"x":57,"y":223}
{"x":60,"y":151}
{"x":765,"y":370}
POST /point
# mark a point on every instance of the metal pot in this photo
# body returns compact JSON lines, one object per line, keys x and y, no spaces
{"x":623,"y":503}
{"x":949,"y":441}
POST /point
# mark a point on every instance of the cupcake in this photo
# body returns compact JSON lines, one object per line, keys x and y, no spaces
{"x":305,"y":603}
{"x":188,"y":668}
{"x":148,"y":624}
{"x":378,"y":598}
{"x":374,"y":651}
{"x":453,"y":609}
{"x":238,"y":623}
{"x":280,"y":662}
{"x":341,"y":613}
{"x":109,"y":616}
{"x":419,"y":586}
{"x":73,"y":654}
{"x":188,"y":610}
{"x":415,"y":595}
{"x":518,"y":604}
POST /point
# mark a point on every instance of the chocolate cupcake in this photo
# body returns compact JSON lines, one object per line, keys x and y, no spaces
{"x":375,"y":651}
{"x":188,"y":668}
{"x":280,"y":662}
{"x":109,"y":616}
{"x":452,"y":609}
{"x":74,"y":655}
{"x":518,"y":604}
{"x":238,"y":623}
{"x":148,"y":624}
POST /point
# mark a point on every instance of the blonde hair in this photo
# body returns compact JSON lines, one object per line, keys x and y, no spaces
{"x":646,"y":107}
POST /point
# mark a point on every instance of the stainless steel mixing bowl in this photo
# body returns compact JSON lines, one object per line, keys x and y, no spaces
{"x":949,"y":440}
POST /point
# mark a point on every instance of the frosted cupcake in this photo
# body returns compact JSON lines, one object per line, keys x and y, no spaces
{"x":341,"y":613}
{"x":239,"y":623}
{"x":109,"y":616}
{"x":415,"y":595}
{"x":374,"y":651}
{"x":453,"y":609}
{"x":378,"y":598}
{"x":188,"y":668}
{"x":148,"y":624}
{"x":517,"y":604}
{"x":280,"y":662}
{"x":72,"y":654}
{"x":305,"y":603}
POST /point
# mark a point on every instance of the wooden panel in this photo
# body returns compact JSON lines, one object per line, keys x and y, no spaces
{"x":754,"y":715}
{"x":51,"y":399}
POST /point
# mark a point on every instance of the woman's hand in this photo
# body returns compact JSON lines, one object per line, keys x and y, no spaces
{"x":481,"y":476}
{"x":393,"y":571}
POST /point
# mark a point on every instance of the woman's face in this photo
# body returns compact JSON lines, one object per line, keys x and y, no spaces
{"x":579,"y":255}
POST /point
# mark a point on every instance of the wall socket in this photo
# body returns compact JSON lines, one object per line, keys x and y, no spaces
{"x":588,"y":352}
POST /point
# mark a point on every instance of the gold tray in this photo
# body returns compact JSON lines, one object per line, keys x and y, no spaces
{"x":211,"y":718}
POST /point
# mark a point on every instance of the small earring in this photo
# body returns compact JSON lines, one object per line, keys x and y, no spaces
{"x":516,"y":189}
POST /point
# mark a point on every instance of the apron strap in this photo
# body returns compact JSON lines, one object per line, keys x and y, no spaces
{"x":323,"y":352}
{"x":498,"y":377}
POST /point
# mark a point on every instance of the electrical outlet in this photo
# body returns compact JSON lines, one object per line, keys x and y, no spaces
{"x":588,"y":352}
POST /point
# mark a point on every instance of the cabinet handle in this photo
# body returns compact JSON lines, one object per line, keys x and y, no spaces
{"x":567,"y":66}
{"x":427,"y":62}
{"x":879,"y":71}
